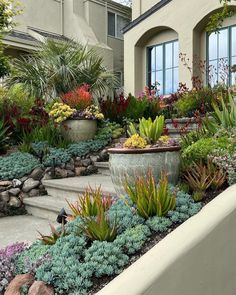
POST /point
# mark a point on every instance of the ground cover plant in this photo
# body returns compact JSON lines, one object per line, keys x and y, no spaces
{"x":102,"y":238}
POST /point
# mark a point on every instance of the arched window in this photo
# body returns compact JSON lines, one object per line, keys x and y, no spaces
{"x":221,"y":56}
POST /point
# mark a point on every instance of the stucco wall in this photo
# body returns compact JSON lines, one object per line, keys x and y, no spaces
{"x":196,"y":258}
{"x":182,"y":17}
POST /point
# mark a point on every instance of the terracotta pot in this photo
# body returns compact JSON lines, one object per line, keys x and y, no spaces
{"x":135,"y":162}
{"x":78,"y":130}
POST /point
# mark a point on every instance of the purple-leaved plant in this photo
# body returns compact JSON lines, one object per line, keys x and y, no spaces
{"x":7,"y":263}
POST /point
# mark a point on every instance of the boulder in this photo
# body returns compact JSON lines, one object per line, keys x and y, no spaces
{"x":5,"y":183}
{"x":4,"y":196}
{"x":29,"y":184}
{"x":14,"y":191}
{"x":70,"y":166}
{"x":61,"y":173}
{"x":46,"y":177}
{"x":79,"y":171}
{"x":40,"y":288}
{"x":34,"y":193}
{"x":14,"y":288}
{"x":70,"y":173}
{"x":16,"y":183}
{"x":86,"y":162}
{"x":37,"y":173}
{"x":91,"y":169}
{"x":14,"y":202}
{"x":94,"y":158}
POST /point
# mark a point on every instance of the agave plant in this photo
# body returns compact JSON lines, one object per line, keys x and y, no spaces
{"x":90,"y":203}
{"x":148,"y":129}
{"x":150,"y":199}
{"x":58,"y":67}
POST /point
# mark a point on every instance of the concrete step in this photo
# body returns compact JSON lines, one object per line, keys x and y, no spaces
{"x":103,"y":168}
{"x":45,"y":207}
{"x":68,"y":188}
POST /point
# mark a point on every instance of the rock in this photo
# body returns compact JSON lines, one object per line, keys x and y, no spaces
{"x":29,"y":184}
{"x":4,"y":196}
{"x":37,"y":173}
{"x":23,"y":179}
{"x":70,"y":173}
{"x":94,"y":158}
{"x":86,"y":162}
{"x":46,"y":177}
{"x":78,"y":158}
{"x":14,"y":202}
{"x":16,"y":183}
{"x":103,"y":156}
{"x":91,"y":169}
{"x":48,"y":169}
{"x":34,"y":193}
{"x":5,"y":183}
{"x":23,"y":195}
{"x":14,"y":191}
{"x":79,"y":171}
{"x":70,"y":166}
{"x":40,"y":288}
{"x":61,"y":173}
{"x":14,"y":288}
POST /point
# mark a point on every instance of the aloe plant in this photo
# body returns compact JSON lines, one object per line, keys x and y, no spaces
{"x":90,"y":203}
{"x":148,"y":129}
{"x":227,"y":116}
{"x":150,"y":199}
{"x":55,"y":235}
{"x":99,"y":228}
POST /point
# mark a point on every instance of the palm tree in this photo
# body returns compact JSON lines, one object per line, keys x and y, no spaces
{"x":59,"y":67}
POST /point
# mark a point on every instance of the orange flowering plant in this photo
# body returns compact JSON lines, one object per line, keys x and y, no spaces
{"x":79,"y":98}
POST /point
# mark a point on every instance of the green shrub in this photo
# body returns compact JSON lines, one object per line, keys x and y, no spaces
{"x":201,"y":149}
{"x":159,"y":224}
{"x":17,"y":165}
{"x":27,"y":259}
{"x":64,"y":271}
{"x":105,"y":259}
{"x":196,"y":100}
{"x":133,"y":239}
{"x":56,"y":157}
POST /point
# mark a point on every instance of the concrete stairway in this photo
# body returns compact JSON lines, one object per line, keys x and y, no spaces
{"x":60,"y":190}
{"x":103,"y":168}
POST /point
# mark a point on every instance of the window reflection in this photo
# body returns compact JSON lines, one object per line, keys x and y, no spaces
{"x":222,"y":56}
{"x":163,"y":61}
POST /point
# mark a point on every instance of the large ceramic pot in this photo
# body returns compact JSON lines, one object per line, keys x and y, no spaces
{"x":78,"y":130}
{"x":130,"y":163}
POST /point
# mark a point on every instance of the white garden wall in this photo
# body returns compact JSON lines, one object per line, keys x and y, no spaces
{"x":198,"y":258}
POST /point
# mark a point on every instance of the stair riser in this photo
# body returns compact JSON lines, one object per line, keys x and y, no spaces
{"x":63,"y":194}
{"x":42,"y":213}
{"x":104,"y":171}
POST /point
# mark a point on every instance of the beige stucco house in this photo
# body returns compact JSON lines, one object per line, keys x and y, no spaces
{"x":96,"y":23}
{"x":161,"y":30}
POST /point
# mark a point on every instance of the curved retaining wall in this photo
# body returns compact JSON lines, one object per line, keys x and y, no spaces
{"x":198,"y":258}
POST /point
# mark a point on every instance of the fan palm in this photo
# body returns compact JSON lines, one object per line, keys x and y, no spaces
{"x":59,"y":67}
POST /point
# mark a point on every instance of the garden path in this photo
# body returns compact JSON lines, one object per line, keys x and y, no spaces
{"x":21,"y":229}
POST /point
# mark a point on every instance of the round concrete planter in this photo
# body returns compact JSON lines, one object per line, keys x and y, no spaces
{"x":78,"y":130}
{"x":134,"y":162}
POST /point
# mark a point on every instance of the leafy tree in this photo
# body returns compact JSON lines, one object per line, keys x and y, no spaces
{"x":216,"y":20}
{"x":8,"y":9}
{"x":59,"y":67}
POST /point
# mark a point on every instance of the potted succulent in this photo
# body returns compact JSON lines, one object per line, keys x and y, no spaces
{"x":146,"y":149}
{"x":77,"y":115}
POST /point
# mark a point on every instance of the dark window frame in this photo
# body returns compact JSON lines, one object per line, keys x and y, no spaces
{"x":164,"y":68}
